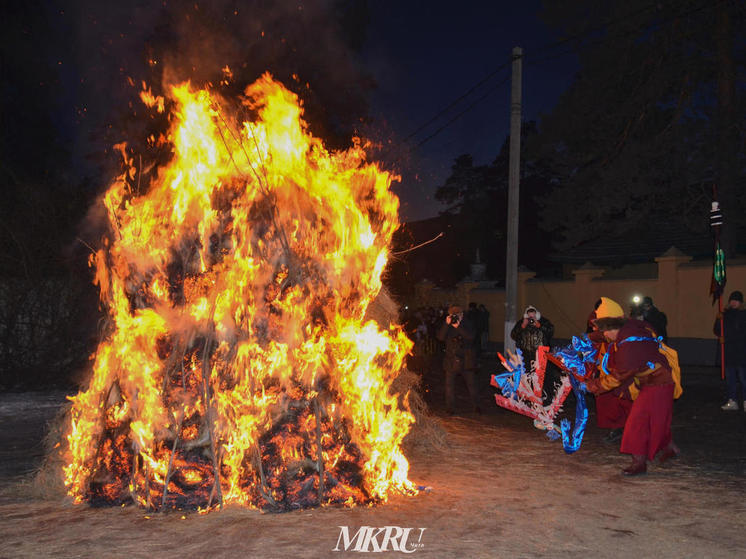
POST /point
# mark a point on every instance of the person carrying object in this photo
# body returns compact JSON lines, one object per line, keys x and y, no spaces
{"x":612,"y":406}
{"x":734,"y":341}
{"x":635,"y":352}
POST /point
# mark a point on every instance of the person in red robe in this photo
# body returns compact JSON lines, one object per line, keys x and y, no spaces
{"x":633,"y":353}
{"x":612,"y":406}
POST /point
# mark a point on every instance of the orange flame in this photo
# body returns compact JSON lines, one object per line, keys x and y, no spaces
{"x":236,"y":289}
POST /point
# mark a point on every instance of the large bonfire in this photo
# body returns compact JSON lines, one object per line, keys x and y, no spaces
{"x":238,"y":365}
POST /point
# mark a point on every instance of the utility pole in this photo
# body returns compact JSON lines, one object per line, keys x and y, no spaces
{"x":514,"y":172}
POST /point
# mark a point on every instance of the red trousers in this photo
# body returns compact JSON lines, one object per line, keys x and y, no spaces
{"x":648,"y":427}
{"x":611,"y":411}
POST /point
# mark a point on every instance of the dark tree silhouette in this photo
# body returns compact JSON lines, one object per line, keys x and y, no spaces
{"x":475,"y":219}
{"x":651,"y":120}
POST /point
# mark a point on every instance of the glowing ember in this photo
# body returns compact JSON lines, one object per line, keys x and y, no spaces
{"x":238,"y":365}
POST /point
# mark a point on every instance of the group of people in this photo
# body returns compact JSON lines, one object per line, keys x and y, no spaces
{"x":636,"y":380}
{"x":458,"y":334}
{"x":636,"y":375}
{"x":422,"y":324}
{"x":452,"y":337}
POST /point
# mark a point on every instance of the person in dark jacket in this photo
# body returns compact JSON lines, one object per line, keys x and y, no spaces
{"x":532,"y":331}
{"x":457,"y":335}
{"x":653,"y":316}
{"x":734,"y":318}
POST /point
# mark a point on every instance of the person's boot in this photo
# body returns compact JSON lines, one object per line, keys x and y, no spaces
{"x":671,"y":451}
{"x":613,"y":436}
{"x":638,"y":466}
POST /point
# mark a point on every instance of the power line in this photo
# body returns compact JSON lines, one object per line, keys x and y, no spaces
{"x":453,"y":119}
{"x":544,"y":48}
{"x":458,"y":100}
{"x":462,"y":113}
{"x":484,"y":80}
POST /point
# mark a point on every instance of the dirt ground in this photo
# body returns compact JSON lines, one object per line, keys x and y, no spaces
{"x":499,"y":489}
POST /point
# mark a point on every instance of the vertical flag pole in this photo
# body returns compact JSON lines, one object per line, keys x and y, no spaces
{"x":722,"y":338}
{"x":717,"y":284}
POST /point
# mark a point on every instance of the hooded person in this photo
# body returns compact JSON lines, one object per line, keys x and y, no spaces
{"x":634,"y":353}
{"x":532,"y":331}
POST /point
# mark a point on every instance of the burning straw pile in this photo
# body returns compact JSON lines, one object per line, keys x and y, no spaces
{"x":239,"y":365}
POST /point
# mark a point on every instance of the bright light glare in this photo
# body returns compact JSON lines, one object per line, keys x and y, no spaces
{"x":636,"y":299}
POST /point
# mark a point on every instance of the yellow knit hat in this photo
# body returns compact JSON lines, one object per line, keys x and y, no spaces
{"x":609,"y":309}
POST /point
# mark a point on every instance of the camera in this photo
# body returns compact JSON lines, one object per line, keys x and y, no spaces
{"x":454,"y":318}
{"x":531,"y":321}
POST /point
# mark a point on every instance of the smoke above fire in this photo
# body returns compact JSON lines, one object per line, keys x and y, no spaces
{"x":104,"y":48}
{"x":238,"y":365}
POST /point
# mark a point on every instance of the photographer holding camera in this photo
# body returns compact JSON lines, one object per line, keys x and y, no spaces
{"x":533,"y":331}
{"x":458,"y":335}
{"x":530,"y":333}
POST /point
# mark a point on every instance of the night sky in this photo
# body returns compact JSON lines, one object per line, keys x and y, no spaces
{"x":425,"y":58}
{"x":84,"y":57}
{"x":72,"y":71}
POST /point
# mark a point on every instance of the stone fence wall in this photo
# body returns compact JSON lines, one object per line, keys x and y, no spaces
{"x":680,"y":289}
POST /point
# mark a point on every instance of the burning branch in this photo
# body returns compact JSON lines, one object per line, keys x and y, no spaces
{"x":320,"y":449}
{"x":263,"y":184}
{"x":171,"y":459}
{"x":207,"y":397}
